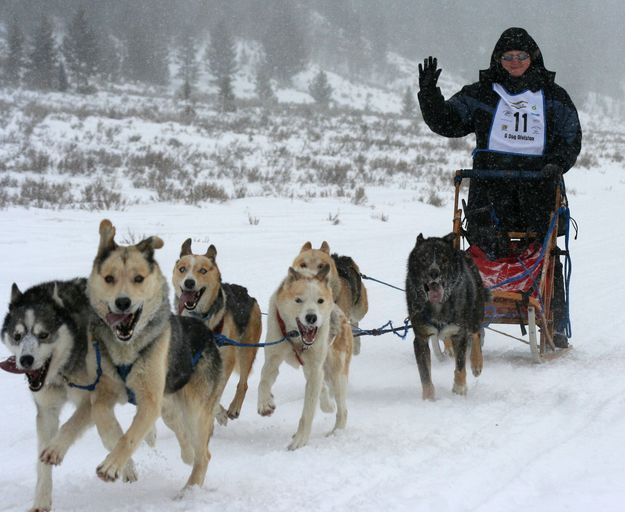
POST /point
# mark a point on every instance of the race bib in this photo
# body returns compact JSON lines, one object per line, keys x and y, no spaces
{"x":519,"y":123}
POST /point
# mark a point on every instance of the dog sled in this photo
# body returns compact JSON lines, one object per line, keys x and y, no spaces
{"x":521,"y":281}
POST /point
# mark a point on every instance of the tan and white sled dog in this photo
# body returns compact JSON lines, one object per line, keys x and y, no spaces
{"x":319,"y":338}
{"x":348,"y":290}
{"x":225,"y":308}
{"x":165,"y":364}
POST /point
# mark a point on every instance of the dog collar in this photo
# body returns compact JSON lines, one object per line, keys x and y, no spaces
{"x":287,"y":336}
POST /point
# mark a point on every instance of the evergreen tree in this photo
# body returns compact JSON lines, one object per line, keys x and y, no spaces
{"x":187,"y":63}
{"x":320,"y":89}
{"x":226,"y":95}
{"x":15,"y":62}
{"x":221,"y":53}
{"x":111,"y":58}
{"x":284,"y":42}
{"x":81,"y":50}
{"x":42,"y":72}
{"x":146,"y":58}
{"x":408,"y":103}
{"x":264,"y":91}
{"x":63,"y":84}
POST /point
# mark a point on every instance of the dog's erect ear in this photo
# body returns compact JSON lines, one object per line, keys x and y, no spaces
{"x":323,"y":273}
{"x":107,"y":238}
{"x":185,"y":250}
{"x":450,"y":238}
{"x":149,"y":244}
{"x":420,"y":238}
{"x":325,"y":247}
{"x":56,"y":297}
{"x":15,"y":293}
{"x":306,"y":247}
{"x":211,"y":252}
{"x":294,"y":275}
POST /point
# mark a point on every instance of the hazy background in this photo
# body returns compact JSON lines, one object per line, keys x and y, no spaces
{"x":582,"y":41}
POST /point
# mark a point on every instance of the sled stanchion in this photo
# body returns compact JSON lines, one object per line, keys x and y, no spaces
{"x":531,"y":323}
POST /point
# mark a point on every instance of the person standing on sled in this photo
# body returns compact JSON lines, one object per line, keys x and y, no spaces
{"x":522,"y":120}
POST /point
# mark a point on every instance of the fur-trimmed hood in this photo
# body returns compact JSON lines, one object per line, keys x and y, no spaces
{"x":536,"y":77}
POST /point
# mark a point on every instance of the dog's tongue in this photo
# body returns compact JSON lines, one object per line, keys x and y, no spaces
{"x":308,"y":333}
{"x":435,"y":293}
{"x":186,"y":297}
{"x":8,"y":365}
{"x":115,"y":318}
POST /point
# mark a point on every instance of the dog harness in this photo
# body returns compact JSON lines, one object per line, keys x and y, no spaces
{"x":98,"y":371}
{"x":123,"y":370}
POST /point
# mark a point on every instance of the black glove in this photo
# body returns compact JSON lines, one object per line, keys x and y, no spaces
{"x":552,"y":172}
{"x":428,"y":74}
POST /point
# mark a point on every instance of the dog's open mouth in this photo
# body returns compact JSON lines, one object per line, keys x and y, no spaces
{"x":307,"y":332}
{"x":188,"y":300}
{"x":36,"y":378}
{"x":435,"y":292}
{"x":123,"y":323}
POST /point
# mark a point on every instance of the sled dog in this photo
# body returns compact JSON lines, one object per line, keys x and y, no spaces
{"x":348,"y":290}
{"x":225,"y":308}
{"x":45,"y":330}
{"x":445,"y":297}
{"x":163,"y":363}
{"x":319,"y":338}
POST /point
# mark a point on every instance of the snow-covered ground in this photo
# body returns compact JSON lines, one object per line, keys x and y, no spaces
{"x":547,"y":437}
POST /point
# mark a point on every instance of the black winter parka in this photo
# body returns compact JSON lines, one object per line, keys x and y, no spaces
{"x":472,"y":110}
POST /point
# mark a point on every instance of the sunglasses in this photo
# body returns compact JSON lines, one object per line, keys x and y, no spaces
{"x":520,"y":57}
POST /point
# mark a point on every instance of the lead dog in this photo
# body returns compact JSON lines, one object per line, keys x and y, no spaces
{"x":348,"y":290}
{"x":161,"y":362}
{"x":445,"y":297}
{"x":225,"y":308}
{"x":319,"y":338}
{"x":46,"y":331}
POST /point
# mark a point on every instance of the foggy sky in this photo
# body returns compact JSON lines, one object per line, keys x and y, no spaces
{"x":582,"y":41}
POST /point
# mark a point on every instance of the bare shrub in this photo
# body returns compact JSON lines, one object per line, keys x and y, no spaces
{"x":42,"y":194}
{"x":99,"y":196}
{"x":334,"y":218}
{"x":360,"y":197}
{"x":35,"y":161}
{"x":587,"y":161}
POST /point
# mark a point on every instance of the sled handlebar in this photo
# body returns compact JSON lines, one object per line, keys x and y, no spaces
{"x":497,"y":174}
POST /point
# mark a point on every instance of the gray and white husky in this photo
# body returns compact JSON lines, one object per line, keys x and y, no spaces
{"x":46,"y":331}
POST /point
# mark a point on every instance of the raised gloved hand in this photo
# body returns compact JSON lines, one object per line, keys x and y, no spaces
{"x":552,"y":172}
{"x":428,"y":73}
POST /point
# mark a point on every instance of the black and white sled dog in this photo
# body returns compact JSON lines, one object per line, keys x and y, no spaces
{"x":446,"y":298}
{"x":46,"y":331}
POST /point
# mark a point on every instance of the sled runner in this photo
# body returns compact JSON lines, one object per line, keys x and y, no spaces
{"x":517,"y":267}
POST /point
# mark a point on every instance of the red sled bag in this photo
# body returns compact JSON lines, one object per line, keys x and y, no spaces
{"x":515,"y":273}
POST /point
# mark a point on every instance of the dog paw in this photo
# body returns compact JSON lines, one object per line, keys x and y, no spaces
{"x":52,"y":455}
{"x":129,"y":473}
{"x":266,"y":407}
{"x":222,"y":416}
{"x":477,"y":370}
{"x":460,"y":389}
{"x":428,"y":393}
{"x":234,"y":412}
{"x":298,"y":441}
{"x":109,"y":470}
{"x":41,"y":508}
